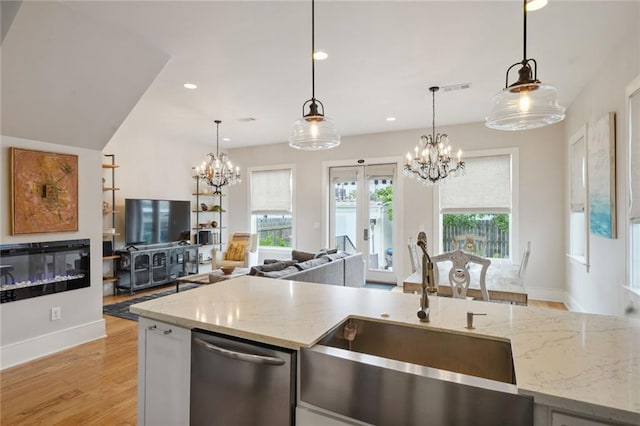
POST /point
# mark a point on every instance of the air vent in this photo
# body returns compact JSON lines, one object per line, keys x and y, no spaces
{"x":461,"y":86}
{"x":247,"y":119}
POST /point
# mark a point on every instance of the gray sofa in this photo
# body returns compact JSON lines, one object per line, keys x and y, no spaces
{"x":338,"y":268}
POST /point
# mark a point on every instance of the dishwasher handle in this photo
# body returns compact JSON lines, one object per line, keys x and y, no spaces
{"x":255,"y":359}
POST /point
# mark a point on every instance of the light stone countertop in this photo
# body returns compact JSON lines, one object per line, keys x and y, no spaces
{"x":580,"y":362}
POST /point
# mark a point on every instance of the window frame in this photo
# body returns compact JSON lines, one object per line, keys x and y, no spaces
{"x":633,"y":89}
{"x":514,"y":220}
{"x":581,"y":134}
{"x":251,"y":217}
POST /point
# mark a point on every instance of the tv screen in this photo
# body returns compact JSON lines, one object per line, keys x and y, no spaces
{"x":156,"y":221}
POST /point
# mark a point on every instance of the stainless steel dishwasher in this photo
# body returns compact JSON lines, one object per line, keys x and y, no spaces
{"x":239,"y":382}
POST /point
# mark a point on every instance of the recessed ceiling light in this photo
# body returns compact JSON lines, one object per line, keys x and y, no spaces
{"x":190,"y":86}
{"x":390,"y":119}
{"x":226,"y":139}
{"x":319,"y":55}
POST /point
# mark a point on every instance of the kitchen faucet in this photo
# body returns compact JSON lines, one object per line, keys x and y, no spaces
{"x":428,"y":285}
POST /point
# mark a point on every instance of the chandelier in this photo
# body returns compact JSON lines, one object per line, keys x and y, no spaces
{"x":313,"y":131}
{"x":527,"y":103}
{"x":216,"y":170}
{"x":432,"y":160}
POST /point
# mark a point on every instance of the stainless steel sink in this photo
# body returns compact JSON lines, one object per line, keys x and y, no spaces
{"x":389,"y":374}
{"x":466,"y":354}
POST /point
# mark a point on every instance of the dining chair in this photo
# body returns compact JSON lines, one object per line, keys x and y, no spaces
{"x":416,"y":260}
{"x":524,"y":262}
{"x":460,"y":275}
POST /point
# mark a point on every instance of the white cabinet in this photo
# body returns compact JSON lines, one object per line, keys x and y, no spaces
{"x":164,"y":372}
{"x":544,"y":415}
{"x":563,"y":419}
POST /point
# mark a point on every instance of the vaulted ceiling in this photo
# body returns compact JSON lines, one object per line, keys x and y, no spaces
{"x":79,"y":72}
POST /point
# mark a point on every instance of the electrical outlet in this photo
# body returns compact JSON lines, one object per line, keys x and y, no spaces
{"x":56,"y":313}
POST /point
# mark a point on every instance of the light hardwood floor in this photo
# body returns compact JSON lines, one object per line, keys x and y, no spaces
{"x":91,"y":384}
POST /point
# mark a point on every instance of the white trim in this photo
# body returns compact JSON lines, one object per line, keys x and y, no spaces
{"x":631,"y":88}
{"x":573,"y":305}
{"x":46,"y":344}
{"x":546,"y":294}
{"x":514,"y":223}
{"x":581,"y":133}
{"x":290,"y":166}
{"x":398,"y":206}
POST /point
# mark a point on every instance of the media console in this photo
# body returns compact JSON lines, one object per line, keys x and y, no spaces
{"x":149,"y":266}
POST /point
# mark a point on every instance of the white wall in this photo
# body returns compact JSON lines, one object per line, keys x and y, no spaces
{"x":27,"y":331}
{"x":600,"y":290}
{"x":541,"y":191}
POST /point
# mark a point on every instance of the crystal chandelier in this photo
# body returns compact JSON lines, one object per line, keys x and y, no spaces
{"x":313,"y":131}
{"x":216,"y":170}
{"x":432,"y":160}
{"x":527,"y":103}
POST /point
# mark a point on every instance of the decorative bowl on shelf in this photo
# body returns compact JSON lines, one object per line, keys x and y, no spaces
{"x":227,"y":269}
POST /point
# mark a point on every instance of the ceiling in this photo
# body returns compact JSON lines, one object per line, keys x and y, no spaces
{"x":252,"y":60}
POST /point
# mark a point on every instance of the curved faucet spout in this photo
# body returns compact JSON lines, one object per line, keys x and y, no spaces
{"x":428,"y":281}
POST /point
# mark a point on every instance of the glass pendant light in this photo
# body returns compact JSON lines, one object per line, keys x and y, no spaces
{"x":527,"y":103}
{"x":313,"y":131}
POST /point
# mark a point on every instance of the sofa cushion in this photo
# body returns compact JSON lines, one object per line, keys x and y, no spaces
{"x":336,"y":256}
{"x":311,"y":263}
{"x":301,"y":256}
{"x":277,"y":274}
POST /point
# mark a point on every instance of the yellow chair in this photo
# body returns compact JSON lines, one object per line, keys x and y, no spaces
{"x":239,"y":252}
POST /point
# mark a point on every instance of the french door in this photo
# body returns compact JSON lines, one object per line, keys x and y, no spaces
{"x":361,"y":215}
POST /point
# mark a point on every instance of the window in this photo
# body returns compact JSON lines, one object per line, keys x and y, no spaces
{"x":633,"y":106}
{"x":578,"y":224}
{"x":476,"y":212}
{"x":271,"y":206}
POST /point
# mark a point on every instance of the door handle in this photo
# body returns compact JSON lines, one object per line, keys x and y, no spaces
{"x":366,"y":234}
{"x":255,"y":359}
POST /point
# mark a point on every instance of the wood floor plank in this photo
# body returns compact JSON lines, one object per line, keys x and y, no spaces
{"x":91,"y":384}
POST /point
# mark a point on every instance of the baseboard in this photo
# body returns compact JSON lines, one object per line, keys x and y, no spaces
{"x":547,"y":294}
{"x":573,"y":304}
{"x":30,"y":349}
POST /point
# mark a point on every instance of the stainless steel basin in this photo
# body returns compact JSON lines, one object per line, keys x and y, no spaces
{"x":466,"y":354}
{"x":389,"y":374}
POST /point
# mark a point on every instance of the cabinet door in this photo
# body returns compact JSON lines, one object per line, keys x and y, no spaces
{"x":164,"y":368}
{"x":563,"y":419}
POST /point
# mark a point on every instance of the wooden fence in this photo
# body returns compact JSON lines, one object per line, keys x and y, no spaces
{"x":497,"y":239}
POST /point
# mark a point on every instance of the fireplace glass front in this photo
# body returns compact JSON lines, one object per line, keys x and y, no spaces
{"x":36,"y":269}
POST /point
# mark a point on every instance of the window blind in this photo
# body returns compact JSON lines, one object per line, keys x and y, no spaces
{"x":578,"y":175}
{"x":485,"y":187}
{"x":271,"y":192}
{"x":634,"y":154}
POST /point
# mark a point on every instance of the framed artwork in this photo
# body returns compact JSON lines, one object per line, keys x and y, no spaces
{"x":602,"y":176}
{"x":44,"y":192}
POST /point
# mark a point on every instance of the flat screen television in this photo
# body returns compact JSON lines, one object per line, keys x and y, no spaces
{"x":156,"y":221}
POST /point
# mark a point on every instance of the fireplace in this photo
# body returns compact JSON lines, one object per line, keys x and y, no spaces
{"x":37,"y":269}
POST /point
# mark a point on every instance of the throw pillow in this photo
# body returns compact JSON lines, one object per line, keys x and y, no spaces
{"x":301,"y":256}
{"x":236,"y":251}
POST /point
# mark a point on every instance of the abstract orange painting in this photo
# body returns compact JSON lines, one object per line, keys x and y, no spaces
{"x":44,"y":192}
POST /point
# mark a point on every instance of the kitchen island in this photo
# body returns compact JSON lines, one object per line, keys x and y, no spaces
{"x":570,"y":363}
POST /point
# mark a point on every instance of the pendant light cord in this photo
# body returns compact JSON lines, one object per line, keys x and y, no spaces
{"x":433,"y":125}
{"x":524,"y":38}
{"x":313,"y":51}
{"x":217,"y":138}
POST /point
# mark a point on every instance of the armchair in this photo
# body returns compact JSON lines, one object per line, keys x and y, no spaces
{"x":239,"y":252}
